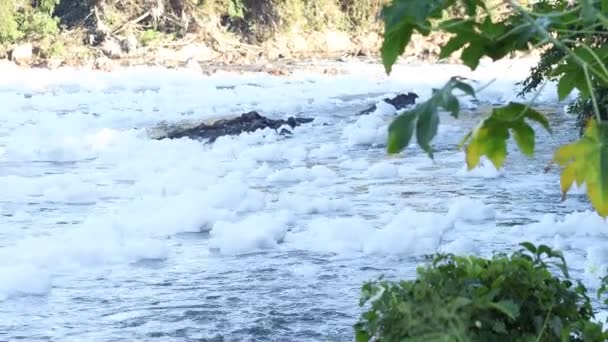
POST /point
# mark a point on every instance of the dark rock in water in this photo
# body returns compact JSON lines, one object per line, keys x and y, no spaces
{"x":247,"y":122}
{"x":400,"y":101}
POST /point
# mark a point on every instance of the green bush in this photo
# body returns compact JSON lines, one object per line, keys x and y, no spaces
{"x":27,"y":20}
{"x":9,"y":29}
{"x":37,"y":25}
{"x":505,"y":298}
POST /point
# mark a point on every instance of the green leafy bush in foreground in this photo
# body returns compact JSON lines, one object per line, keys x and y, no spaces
{"x":505,"y":298}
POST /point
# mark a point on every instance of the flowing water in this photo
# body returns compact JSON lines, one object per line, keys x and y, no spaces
{"x":107,"y":235}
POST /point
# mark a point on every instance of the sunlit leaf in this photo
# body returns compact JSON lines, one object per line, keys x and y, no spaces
{"x":490,"y":138}
{"x":586,"y":161}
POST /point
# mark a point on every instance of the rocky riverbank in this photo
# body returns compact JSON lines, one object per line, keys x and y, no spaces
{"x":218,"y":52}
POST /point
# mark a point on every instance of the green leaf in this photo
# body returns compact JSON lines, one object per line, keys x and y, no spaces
{"x":586,"y":161}
{"x":540,"y":118}
{"x":362,"y":336}
{"x":500,"y":327}
{"x":529,"y":246}
{"x":471,"y":6}
{"x":425,"y":118}
{"x":490,"y":138}
{"x":454,"y":44}
{"x":472,"y":54}
{"x":566,"y":85}
{"x":451,"y":104}
{"x":524,"y":136}
{"x":394,"y":44}
{"x":510,"y":113}
{"x":426,"y":129}
{"x":588,"y":10}
{"x":464,"y":87}
{"x":507,"y":307}
{"x":492,"y":30}
{"x":495,"y":149}
{"x":400,"y":132}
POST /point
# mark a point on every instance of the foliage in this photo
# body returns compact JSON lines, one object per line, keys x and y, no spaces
{"x":425,"y":118}
{"x":22,"y":20}
{"x":148,"y":36}
{"x":490,"y":137}
{"x":236,"y":8}
{"x":37,"y":25}
{"x":9,"y":29}
{"x":577,"y":60}
{"x":53,"y":49}
{"x":551,"y":58}
{"x":505,"y":298}
{"x":584,"y":162}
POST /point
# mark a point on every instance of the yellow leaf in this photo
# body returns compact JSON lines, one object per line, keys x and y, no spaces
{"x":599,"y":198}
{"x":586,"y":161}
{"x":565,"y":154}
{"x":473,"y":154}
{"x":567,"y":178}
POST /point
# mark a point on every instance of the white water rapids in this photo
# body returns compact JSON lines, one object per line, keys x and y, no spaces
{"x":108,"y":235}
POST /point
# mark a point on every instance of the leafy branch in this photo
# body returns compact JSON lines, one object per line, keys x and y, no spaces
{"x":580,"y":65}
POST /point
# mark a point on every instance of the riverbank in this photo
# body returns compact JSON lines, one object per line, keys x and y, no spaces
{"x":284,"y":51}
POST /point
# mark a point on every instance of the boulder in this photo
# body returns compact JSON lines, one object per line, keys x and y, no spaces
{"x":129,"y":44}
{"x":399,"y":102}
{"x":247,"y":122}
{"x":22,"y":54}
{"x":111,"y":48}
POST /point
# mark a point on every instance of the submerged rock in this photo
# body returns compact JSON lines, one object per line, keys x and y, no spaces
{"x":399,"y":102}
{"x":247,"y":122}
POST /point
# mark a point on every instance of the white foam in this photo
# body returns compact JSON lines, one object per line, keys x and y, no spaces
{"x":383,"y":170}
{"x":134,"y":192}
{"x":326,"y":151}
{"x":460,"y":246}
{"x":470,"y":210}
{"x":485,"y":169}
{"x":315,"y":173}
{"x":367,"y":130}
{"x":313,"y":204}
{"x":585,"y":223}
{"x":17,"y":280}
{"x":255,"y":232}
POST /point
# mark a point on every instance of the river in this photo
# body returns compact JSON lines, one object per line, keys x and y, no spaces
{"x":108,"y":235}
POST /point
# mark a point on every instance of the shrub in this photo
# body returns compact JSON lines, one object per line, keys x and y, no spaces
{"x":22,"y":19}
{"x":52,"y":49}
{"x":505,"y":298}
{"x":9,"y":29}
{"x":37,"y":25}
{"x":148,"y":36}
